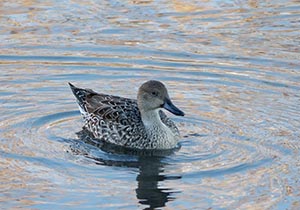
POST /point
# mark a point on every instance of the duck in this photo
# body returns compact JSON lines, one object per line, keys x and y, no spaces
{"x":133,"y":123}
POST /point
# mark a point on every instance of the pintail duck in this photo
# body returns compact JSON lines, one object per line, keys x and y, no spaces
{"x":139,"y":124}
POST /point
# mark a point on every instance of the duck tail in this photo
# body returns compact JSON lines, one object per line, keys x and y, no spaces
{"x":80,"y":95}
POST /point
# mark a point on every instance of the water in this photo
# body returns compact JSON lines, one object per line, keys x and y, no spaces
{"x":231,"y":66}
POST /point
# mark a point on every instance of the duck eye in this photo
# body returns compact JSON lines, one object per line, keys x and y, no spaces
{"x":154,"y":93}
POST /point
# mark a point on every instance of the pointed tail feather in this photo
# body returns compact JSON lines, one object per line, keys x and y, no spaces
{"x":80,"y":95}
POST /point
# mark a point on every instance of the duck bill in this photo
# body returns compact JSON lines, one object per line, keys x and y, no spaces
{"x":168,"y":105}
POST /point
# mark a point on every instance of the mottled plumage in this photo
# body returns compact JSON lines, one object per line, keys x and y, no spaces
{"x":128,"y":122}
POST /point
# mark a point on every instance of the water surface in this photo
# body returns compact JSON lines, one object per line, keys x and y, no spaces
{"x":231,"y":66}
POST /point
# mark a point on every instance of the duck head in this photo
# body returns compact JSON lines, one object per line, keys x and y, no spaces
{"x":153,"y":95}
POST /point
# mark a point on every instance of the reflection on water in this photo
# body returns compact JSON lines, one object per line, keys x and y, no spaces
{"x":233,"y":66}
{"x":148,"y":192}
{"x":149,"y":163}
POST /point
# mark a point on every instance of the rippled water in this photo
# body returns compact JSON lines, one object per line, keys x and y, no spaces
{"x":232,"y":66}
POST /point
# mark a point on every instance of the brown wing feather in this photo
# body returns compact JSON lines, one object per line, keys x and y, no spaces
{"x":113,"y":108}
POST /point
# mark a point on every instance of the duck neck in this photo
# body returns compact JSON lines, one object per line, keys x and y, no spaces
{"x":160,"y":134}
{"x":151,"y":119}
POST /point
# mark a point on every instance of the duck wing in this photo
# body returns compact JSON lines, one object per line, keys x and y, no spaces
{"x":109,"y":108}
{"x":114,"y":109}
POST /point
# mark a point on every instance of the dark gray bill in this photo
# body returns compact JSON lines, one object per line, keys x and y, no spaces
{"x":168,"y":105}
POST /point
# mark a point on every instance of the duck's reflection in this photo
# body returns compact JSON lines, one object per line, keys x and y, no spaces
{"x":149,"y":189}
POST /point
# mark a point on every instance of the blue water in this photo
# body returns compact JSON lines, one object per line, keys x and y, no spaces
{"x":231,"y":66}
